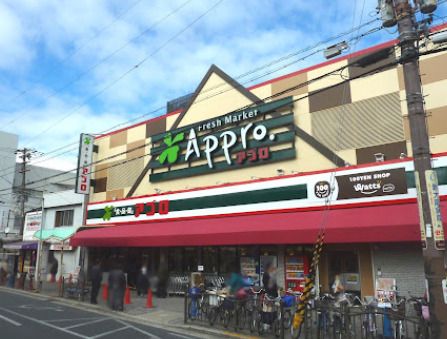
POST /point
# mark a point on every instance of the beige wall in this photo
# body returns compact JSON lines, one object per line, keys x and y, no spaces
{"x":308,"y":159}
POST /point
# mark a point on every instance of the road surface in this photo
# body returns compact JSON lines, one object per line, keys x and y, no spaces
{"x":23,"y":316}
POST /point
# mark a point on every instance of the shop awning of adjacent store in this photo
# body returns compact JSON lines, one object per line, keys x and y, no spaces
{"x":386,"y":223}
{"x":21,"y":245}
{"x":55,"y":235}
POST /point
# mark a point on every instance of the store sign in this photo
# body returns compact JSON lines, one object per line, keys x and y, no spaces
{"x":58,"y":247}
{"x":372,"y":184}
{"x":230,"y":141}
{"x":146,"y":209}
{"x":378,"y":184}
{"x":33,"y":222}
{"x":435,"y":208}
{"x":83,"y":174}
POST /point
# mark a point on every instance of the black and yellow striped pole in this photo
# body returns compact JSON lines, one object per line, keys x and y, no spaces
{"x":298,"y":318}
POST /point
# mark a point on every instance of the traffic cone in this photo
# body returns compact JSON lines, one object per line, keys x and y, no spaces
{"x":127,"y":296}
{"x":105,"y":292}
{"x":149,"y":299}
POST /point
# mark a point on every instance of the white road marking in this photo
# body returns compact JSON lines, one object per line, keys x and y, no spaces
{"x":110,"y":332}
{"x":150,"y":335}
{"x":44,"y":323}
{"x":179,"y":335}
{"x":86,"y":323}
{"x":15,"y":323}
{"x":41,"y":308}
{"x":71,"y":319}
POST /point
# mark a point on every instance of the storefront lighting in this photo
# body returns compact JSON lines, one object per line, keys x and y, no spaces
{"x":403,"y":156}
{"x":280,"y":171}
{"x":379,"y":157}
{"x":254,"y":178}
{"x":157,"y":190}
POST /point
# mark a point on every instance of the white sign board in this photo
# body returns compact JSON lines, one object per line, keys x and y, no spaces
{"x":83,"y":174}
{"x":33,"y":222}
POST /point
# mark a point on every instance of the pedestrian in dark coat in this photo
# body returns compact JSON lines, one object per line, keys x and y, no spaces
{"x":96,"y":278}
{"x":117,"y":287}
{"x":142,"y":281}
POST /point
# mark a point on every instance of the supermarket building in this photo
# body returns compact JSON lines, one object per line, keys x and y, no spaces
{"x":238,"y":177}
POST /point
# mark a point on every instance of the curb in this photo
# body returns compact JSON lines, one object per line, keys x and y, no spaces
{"x":123,"y":316}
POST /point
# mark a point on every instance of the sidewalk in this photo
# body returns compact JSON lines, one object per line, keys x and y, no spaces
{"x":167,"y":312}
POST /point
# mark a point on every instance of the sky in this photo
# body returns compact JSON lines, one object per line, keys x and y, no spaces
{"x":71,"y":67}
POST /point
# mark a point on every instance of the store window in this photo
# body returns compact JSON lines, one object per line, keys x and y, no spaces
{"x":249,"y":262}
{"x":175,"y":260}
{"x":228,"y":260}
{"x":64,"y":218}
{"x":191,"y":259}
{"x":346,"y":265}
{"x":210,"y":259}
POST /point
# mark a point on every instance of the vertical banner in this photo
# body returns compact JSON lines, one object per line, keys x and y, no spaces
{"x":421,"y":210}
{"x":84,"y":164}
{"x":435,"y":208}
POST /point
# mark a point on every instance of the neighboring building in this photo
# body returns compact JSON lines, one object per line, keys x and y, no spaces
{"x":268,"y":161}
{"x":35,"y":187}
{"x":8,"y":145}
{"x":63,"y":215}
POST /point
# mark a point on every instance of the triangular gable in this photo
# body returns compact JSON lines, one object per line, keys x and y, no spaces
{"x":216,"y":94}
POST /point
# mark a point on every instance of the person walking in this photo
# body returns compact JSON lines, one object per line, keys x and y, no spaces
{"x":95,"y":278}
{"x":269,"y":281}
{"x":117,"y":287}
{"x":142,"y":281}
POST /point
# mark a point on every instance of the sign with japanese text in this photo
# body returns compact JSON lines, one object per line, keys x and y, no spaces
{"x":421,"y":211}
{"x":83,"y":174}
{"x":238,"y":139}
{"x":281,"y":193}
{"x":435,"y":208}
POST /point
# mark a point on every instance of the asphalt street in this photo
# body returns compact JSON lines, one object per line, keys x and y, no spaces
{"x":24,"y":317}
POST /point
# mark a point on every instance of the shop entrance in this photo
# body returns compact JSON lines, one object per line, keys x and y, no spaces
{"x":346,"y":265}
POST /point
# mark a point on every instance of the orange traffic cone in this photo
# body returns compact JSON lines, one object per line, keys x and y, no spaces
{"x":149,"y":299}
{"x":127,"y":296}
{"x":105,"y":292}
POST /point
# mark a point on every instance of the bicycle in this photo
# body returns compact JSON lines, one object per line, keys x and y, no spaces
{"x":420,"y":306}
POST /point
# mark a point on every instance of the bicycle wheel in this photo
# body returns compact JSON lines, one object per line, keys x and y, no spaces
{"x":241,"y":317}
{"x":277,"y":327}
{"x":193,"y":309}
{"x":254,"y":321}
{"x":226,"y":318}
{"x":287,"y":319}
{"x":212,"y":316}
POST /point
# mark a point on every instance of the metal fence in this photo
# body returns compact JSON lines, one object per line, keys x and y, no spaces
{"x":322,"y":320}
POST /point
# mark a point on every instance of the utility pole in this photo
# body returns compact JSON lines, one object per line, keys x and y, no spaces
{"x":25,"y":154}
{"x":432,"y":234}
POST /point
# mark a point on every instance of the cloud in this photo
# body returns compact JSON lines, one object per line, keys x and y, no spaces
{"x":59,"y":51}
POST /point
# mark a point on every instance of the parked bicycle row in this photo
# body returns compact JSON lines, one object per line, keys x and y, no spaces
{"x":327,"y":316}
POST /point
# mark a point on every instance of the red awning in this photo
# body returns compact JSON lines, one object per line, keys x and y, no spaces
{"x":386,"y":223}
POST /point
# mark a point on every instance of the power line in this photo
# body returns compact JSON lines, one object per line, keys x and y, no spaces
{"x":283,"y":58}
{"x":130,"y":70}
{"x":306,"y":83}
{"x":101,"y":61}
{"x":76,"y":51}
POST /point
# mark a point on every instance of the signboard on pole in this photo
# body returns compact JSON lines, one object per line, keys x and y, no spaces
{"x":83,"y":175}
{"x":435,"y":207}
{"x":421,"y":211}
{"x":33,"y":222}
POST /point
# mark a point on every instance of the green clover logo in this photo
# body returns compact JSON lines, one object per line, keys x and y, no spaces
{"x":87,"y":140}
{"x":107,"y":213}
{"x":172,"y":151}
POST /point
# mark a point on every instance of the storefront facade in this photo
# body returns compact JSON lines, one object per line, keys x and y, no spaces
{"x":239,"y":177}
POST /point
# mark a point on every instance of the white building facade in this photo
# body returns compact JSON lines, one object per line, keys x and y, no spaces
{"x":62,"y":211}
